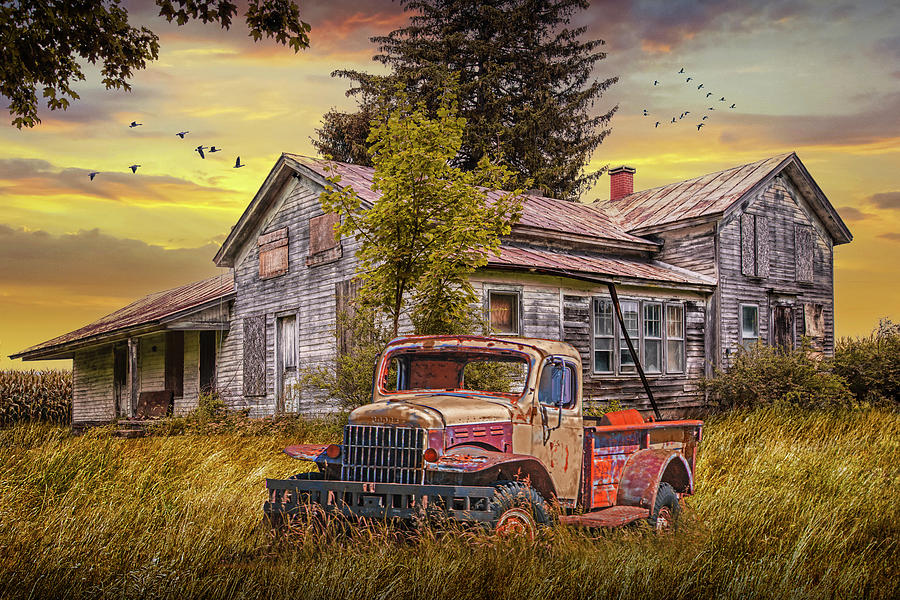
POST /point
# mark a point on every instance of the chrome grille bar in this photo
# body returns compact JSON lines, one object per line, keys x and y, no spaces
{"x":377,"y":454}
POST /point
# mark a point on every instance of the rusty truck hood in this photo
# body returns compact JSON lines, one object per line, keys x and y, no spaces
{"x":435,"y":410}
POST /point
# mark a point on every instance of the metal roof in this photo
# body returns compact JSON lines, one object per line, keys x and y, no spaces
{"x":702,"y":196}
{"x":148,"y":310}
{"x":558,"y":261}
{"x":538,"y":212}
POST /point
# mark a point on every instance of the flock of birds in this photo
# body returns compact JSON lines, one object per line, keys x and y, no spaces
{"x":702,"y":90}
{"x":199,"y":150}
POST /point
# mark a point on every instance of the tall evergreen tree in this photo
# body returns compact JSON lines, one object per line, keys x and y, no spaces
{"x":526,"y":85}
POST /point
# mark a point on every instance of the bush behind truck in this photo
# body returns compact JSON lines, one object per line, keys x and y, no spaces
{"x":433,"y":442}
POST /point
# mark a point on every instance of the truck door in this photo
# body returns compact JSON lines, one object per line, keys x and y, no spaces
{"x":557,"y":428}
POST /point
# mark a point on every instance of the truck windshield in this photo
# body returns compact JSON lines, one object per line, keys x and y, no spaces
{"x":501,"y":374}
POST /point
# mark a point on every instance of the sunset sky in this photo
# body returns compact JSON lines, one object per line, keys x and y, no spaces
{"x":819,"y":78}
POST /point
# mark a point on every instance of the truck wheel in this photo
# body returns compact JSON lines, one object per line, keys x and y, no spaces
{"x":665,"y":510}
{"x":518,"y":510}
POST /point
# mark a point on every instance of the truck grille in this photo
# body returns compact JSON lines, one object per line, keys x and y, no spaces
{"x":383,"y":454}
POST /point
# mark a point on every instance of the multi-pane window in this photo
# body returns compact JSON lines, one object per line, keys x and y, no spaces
{"x":749,"y":325}
{"x":503,"y":308}
{"x":656,"y":330}
{"x":674,"y":338}
{"x":652,"y":337}
{"x":604,"y":336}
{"x":631,"y":316}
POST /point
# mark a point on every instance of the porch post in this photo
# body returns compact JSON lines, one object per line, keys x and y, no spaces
{"x":133,"y":380}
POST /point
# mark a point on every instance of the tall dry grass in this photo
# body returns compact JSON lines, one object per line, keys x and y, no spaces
{"x":790,"y":503}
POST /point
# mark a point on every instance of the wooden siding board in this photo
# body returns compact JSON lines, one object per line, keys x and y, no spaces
{"x":92,"y":390}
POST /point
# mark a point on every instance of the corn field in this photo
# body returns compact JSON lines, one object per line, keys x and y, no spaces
{"x":31,"y":396}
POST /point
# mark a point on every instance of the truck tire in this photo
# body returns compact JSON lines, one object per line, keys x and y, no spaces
{"x":519,"y":510}
{"x":666,"y":509}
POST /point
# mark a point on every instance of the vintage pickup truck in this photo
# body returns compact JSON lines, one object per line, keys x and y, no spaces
{"x":492,"y":430}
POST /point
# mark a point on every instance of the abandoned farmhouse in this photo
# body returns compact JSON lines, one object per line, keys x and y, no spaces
{"x":702,"y":267}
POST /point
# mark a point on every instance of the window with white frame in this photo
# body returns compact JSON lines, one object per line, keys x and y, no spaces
{"x":604,"y":336}
{"x":674,"y":338}
{"x":653,"y":351}
{"x":631,"y":317}
{"x":656,"y":330}
{"x":503,"y":312}
{"x":749,"y":325}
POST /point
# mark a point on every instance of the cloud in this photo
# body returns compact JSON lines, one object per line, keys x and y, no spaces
{"x":93,"y":263}
{"x":888,"y":200}
{"x":40,"y":178}
{"x":891,"y":235}
{"x":887,"y":48}
{"x":851,"y":213}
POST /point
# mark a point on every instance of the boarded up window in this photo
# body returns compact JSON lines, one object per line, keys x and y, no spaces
{"x":504,"y":312}
{"x":803,"y":246}
{"x":814,"y":320}
{"x":324,"y":245}
{"x":255,"y":355}
{"x":754,"y":245}
{"x":273,"y":253}
{"x":344,"y":294}
{"x":174,"y":374}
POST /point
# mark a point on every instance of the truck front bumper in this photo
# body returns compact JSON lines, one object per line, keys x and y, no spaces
{"x":291,"y":497}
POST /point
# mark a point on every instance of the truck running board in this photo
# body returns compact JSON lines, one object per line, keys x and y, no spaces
{"x":614,"y":516}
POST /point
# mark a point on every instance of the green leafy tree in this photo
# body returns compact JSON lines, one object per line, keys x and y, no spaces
{"x":433,"y":224}
{"x":43,"y":42}
{"x":526,"y":86}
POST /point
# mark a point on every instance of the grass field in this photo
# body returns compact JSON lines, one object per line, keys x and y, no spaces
{"x":789,"y":504}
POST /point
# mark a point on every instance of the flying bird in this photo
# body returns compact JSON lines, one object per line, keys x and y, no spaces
{"x":708,"y":94}
{"x":722,"y":99}
{"x":238,"y":165}
{"x":682,"y":70}
{"x":93,"y":174}
{"x":688,"y":80}
{"x":732,"y":106}
{"x":673,"y":119}
{"x":200,"y":149}
{"x":214,"y":149}
{"x":134,"y":168}
{"x":705,"y":117}
{"x":135,"y":124}
{"x":687,"y":112}
{"x":646,"y":113}
{"x":699,"y":86}
{"x":181,"y":134}
{"x":657,"y":125}
{"x":710,"y":108}
{"x":699,"y":125}
{"x":655,"y":82}
{"x":681,"y":116}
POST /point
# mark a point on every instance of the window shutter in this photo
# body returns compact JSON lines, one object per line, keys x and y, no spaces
{"x":324,"y":245}
{"x":803,"y":247}
{"x":255,"y":355}
{"x":762,"y":246}
{"x":273,"y":253}
{"x":748,"y":246}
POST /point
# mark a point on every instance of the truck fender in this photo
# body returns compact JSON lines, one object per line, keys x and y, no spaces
{"x":645,"y":470}
{"x":314,"y":453}
{"x":473,"y":465}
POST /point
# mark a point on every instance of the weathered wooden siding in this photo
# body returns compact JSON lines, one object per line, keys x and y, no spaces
{"x":782,"y":209}
{"x":557,"y":308}
{"x":306,"y":291}
{"x":92,"y":390}
{"x":152,"y":363}
{"x":691,"y":248}
{"x":188,"y":401}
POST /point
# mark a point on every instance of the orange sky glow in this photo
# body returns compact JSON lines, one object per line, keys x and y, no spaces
{"x":818,"y":78}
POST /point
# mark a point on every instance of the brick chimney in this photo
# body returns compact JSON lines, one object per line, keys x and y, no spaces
{"x":621,"y":182}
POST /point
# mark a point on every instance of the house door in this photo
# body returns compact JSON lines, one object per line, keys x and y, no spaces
{"x":207,"y":361}
{"x":783,"y":327}
{"x":287,"y":364}
{"x":120,"y":378}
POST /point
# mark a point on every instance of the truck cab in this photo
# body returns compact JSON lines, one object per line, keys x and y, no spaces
{"x":478,"y":427}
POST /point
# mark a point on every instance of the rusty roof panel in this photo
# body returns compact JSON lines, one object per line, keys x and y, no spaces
{"x":701,"y":196}
{"x":148,"y":310}
{"x":549,"y":214}
{"x":534,"y":258}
